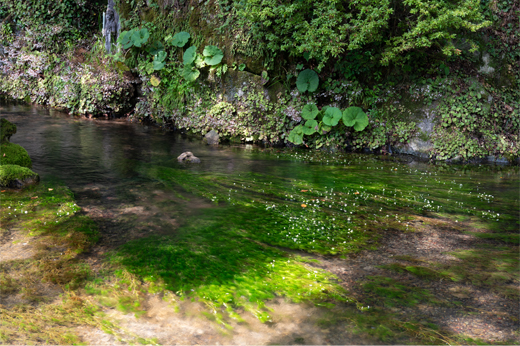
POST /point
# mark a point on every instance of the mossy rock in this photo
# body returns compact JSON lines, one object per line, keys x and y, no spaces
{"x":17,"y":177}
{"x":14,"y":154}
{"x":7,"y":129}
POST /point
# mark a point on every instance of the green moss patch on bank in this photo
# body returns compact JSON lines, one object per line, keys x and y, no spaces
{"x":14,"y":154}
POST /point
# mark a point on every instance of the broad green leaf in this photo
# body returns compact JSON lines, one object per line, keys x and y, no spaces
{"x":139,"y":37}
{"x":212,"y":55}
{"x":125,"y":38}
{"x":180,"y":39}
{"x":155,"y":48}
{"x":332,"y":116}
{"x":309,"y":111}
{"x":190,"y":73}
{"x":296,"y":135}
{"x":361,"y":122}
{"x":158,"y":65}
{"x":354,"y":116}
{"x":241,"y":67}
{"x":160,"y":56}
{"x":189,"y":55}
{"x":307,"y":81}
{"x":310,"y":127}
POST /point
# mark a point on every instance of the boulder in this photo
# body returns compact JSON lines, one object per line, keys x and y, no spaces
{"x":17,"y":177}
{"x":188,"y":157}
{"x":211,"y":137}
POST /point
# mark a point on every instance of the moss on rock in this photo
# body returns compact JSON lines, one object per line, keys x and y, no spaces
{"x":7,"y":129}
{"x":15,"y":176}
{"x":14,"y":154}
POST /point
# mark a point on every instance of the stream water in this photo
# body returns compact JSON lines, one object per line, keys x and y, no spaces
{"x":203,"y":228}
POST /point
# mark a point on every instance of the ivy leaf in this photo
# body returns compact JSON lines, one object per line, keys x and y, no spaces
{"x":189,"y":55}
{"x":139,"y":37}
{"x":354,"y":116}
{"x":155,"y":48}
{"x":310,"y":127}
{"x":180,"y":39}
{"x":307,"y":81}
{"x":332,"y":116}
{"x":190,"y":73}
{"x":241,"y":67}
{"x":212,"y":55}
{"x":296,"y":135}
{"x":309,"y":111}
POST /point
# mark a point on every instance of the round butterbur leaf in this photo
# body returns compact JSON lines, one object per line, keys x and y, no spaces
{"x":180,"y":39}
{"x":125,"y":38}
{"x":361,"y":122}
{"x":190,"y":73}
{"x":212,"y":55}
{"x":296,"y":135}
{"x":309,"y":111}
{"x":140,"y":37}
{"x":307,"y":81}
{"x":354,"y":116}
{"x":310,"y":127}
{"x":332,"y":116}
{"x":189,"y":55}
{"x":349,"y":115}
{"x":155,"y":48}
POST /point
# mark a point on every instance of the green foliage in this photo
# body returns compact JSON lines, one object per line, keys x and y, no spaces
{"x":155,"y":48}
{"x":134,"y":38}
{"x":310,"y":111}
{"x":51,"y":25}
{"x":307,"y":81}
{"x":354,"y":116}
{"x":190,"y":73}
{"x":7,"y":129}
{"x":324,"y":29}
{"x":212,"y":55}
{"x":332,"y":116}
{"x":471,"y":126}
{"x":189,"y":55}
{"x":179,"y":39}
{"x":158,"y":60}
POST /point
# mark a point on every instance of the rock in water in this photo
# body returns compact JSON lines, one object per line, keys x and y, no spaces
{"x":211,"y":137}
{"x":188,"y":157}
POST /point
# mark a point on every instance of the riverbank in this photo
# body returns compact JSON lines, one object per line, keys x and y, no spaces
{"x":460,"y":107}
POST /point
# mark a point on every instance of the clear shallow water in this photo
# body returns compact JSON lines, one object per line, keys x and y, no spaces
{"x":320,"y":196}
